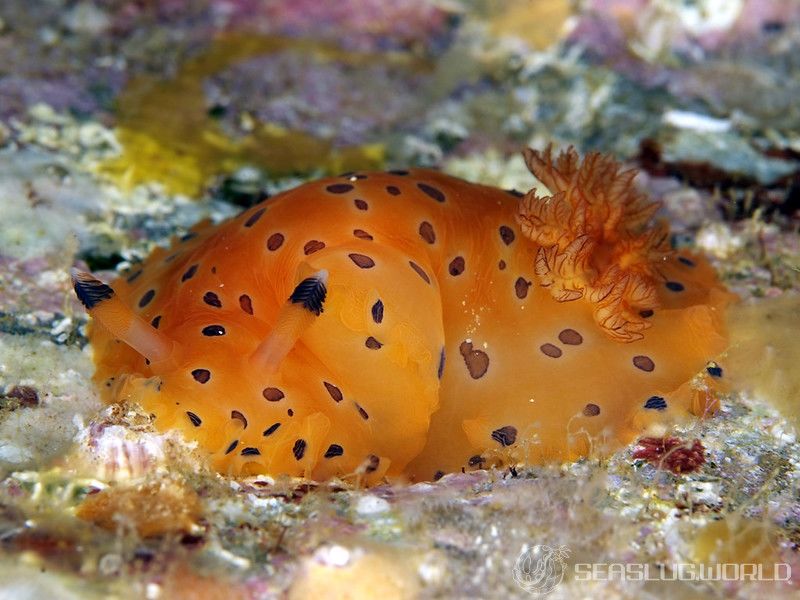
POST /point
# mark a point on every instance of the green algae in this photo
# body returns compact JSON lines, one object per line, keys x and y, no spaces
{"x":169,"y":135}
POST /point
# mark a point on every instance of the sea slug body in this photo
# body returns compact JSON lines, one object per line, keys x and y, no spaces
{"x":411,"y":323}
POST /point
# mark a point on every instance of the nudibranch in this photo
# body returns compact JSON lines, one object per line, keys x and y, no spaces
{"x":409,"y":323}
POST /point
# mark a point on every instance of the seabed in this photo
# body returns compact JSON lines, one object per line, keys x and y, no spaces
{"x":123,"y":123}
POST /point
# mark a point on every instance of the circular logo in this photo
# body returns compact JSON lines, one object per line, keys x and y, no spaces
{"x":540,"y":569}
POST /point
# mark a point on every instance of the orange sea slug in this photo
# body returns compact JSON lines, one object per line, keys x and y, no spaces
{"x":411,"y":323}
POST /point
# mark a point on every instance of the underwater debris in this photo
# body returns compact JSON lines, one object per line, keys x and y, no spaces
{"x":726,"y":152}
{"x":23,"y":396}
{"x":671,"y":453}
{"x":152,"y":509}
